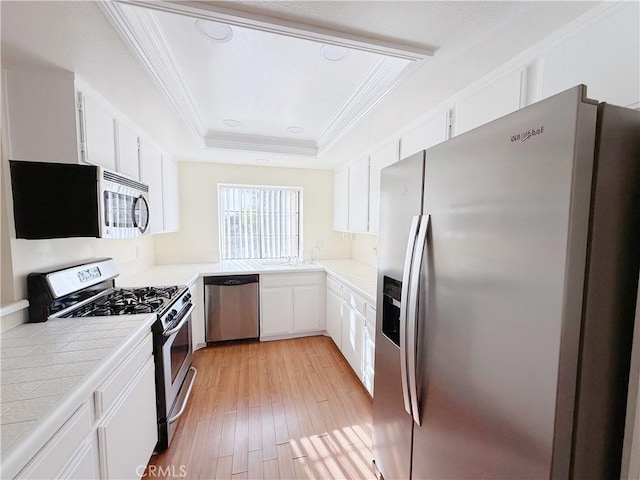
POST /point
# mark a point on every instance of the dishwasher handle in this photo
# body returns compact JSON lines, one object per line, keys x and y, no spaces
{"x":231,"y":280}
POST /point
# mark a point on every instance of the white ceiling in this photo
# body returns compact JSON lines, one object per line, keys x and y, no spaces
{"x":269,"y":82}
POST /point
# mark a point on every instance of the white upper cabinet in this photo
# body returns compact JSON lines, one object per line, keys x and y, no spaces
{"x":499,"y":98}
{"x":604,"y":56}
{"x":359,"y":196}
{"x":41,"y":117}
{"x":427,"y":134}
{"x":97,"y":132}
{"x":127,"y":141}
{"x":378,"y":160}
{"x":151,"y":174}
{"x":341,"y":200}
{"x":170,"y":197}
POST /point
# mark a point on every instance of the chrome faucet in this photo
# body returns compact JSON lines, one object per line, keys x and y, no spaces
{"x":313,"y":259}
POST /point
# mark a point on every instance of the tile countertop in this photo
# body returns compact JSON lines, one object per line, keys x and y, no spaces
{"x":48,"y":369}
{"x":359,"y":276}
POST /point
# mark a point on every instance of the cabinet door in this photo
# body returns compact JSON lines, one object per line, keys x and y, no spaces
{"x":151,"y":174}
{"x":341,"y":200}
{"x":41,"y":116}
{"x":359,"y":196}
{"x":378,"y":160}
{"x":308,"y":308}
{"x":276,"y":311}
{"x":170,"y":201}
{"x":98,"y":134}
{"x":497,"y":99}
{"x":369,"y":349}
{"x":84,"y":464}
{"x":128,"y":162}
{"x":334,"y":317}
{"x":352,"y":325}
{"x":427,"y":134}
{"x":129,"y":433}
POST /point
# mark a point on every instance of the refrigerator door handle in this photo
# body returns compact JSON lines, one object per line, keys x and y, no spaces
{"x":412,"y":315}
{"x":404,"y":302}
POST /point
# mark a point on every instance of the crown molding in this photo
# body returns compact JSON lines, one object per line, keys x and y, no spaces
{"x":261,"y":143}
{"x":383,"y":77}
{"x":265,"y":23}
{"x":143,"y":34}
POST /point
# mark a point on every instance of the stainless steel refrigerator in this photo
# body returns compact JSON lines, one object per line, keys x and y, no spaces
{"x":508,"y":272}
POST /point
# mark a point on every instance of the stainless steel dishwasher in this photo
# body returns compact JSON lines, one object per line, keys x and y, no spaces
{"x":231,"y":307}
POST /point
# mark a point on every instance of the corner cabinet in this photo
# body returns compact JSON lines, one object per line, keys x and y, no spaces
{"x":356,"y":201}
{"x":291,"y":304}
{"x":351,"y":324}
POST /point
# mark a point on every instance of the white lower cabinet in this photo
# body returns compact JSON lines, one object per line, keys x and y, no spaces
{"x":56,"y":457}
{"x":291,"y":304}
{"x":112,"y":434}
{"x":369,"y":349}
{"x":124,"y":435}
{"x":334,"y":311}
{"x":84,"y":464}
{"x":351,"y":323}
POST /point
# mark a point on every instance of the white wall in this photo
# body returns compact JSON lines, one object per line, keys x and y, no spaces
{"x":197,"y":241}
{"x":600,"y":49}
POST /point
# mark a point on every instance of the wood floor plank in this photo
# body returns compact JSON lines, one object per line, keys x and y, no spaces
{"x":228,"y":434}
{"x":223,"y":472}
{"x":280,"y":423}
{"x":255,"y":429}
{"x":241,"y":442}
{"x":285,"y":462}
{"x":270,"y":469}
{"x":282,"y":409}
{"x":255,"y":466}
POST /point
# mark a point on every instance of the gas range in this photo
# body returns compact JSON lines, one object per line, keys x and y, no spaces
{"x":88,"y":290}
{"x":166,"y":301}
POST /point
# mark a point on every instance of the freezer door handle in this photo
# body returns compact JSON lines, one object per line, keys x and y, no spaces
{"x":404,"y":302}
{"x":414,"y":312}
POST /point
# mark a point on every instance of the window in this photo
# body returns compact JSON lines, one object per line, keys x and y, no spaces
{"x":259,"y":222}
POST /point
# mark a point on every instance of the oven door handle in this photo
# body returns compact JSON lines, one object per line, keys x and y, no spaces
{"x":184,"y":320}
{"x":186,"y":397}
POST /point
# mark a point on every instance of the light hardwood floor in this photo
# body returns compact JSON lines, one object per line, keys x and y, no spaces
{"x":282,"y":409}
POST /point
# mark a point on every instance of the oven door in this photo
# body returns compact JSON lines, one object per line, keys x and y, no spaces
{"x":177,"y":376}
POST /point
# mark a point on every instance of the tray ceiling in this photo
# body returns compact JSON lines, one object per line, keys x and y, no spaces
{"x":248,"y":83}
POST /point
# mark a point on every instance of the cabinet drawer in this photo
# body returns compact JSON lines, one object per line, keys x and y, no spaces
{"x":107,"y":393}
{"x":370,"y":315}
{"x":356,"y":302}
{"x":334,"y":286}
{"x":291,"y":279}
{"x":54,"y":456}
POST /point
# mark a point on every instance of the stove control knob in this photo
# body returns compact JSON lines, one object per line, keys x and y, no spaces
{"x":173,"y":313}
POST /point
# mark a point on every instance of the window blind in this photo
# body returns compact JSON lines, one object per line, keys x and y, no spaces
{"x":259,"y":222}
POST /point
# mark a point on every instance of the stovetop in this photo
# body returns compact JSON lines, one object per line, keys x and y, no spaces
{"x":129,"y":301}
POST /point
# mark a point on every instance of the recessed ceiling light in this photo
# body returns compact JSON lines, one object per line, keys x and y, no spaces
{"x":333,"y":53}
{"x":295,"y":129}
{"x":230,"y":122}
{"x":214,"y":31}
{"x":262,"y":160}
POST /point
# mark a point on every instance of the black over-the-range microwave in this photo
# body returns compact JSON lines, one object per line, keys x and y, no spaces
{"x":60,"y":200}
